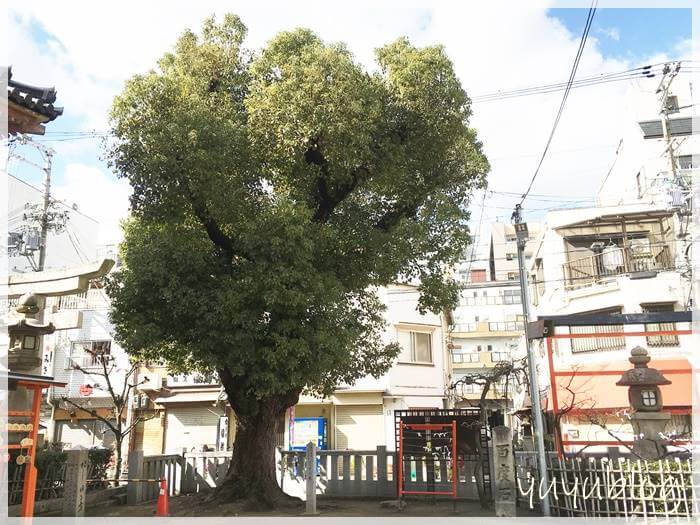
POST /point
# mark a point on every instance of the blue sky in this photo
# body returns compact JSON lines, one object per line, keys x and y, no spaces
{"x":631,"y":33}
{"x":88,"y":58}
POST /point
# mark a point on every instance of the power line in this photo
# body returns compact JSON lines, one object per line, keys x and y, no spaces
{"x":643,"y":72}
{"x":584,"y":37}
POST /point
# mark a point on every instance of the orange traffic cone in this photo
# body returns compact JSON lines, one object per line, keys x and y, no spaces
{"x":162,"y":508}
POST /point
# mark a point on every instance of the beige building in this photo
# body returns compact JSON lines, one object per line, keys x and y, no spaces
{"x":503,"y":256}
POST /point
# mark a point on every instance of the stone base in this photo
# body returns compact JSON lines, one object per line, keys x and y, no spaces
{"x":647,"y":427}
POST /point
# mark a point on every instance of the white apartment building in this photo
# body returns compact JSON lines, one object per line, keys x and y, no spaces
{"x":487,"y":328}
{"x":629,"y":254}
{"x":488,"y":323}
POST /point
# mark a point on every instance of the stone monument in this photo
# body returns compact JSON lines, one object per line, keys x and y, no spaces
{"x":504,"y":471}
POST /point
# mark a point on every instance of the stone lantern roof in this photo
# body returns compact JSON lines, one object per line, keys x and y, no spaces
{"x":641,"y":374}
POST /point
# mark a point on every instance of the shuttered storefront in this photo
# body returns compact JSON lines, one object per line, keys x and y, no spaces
{"x":359,"y":427}
{"x":190,"y":428}
{"x":148,"y":435}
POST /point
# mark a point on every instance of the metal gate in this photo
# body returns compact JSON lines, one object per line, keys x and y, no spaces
{"x":472,"y":438}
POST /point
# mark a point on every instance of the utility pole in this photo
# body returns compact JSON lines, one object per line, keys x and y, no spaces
{"x":669,"y":73}
{"x":521,"y":233}
{"x":45,"y":223}
{"x":48,"y":157}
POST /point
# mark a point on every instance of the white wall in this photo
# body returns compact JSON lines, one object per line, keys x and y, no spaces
{"x":413,"y":379}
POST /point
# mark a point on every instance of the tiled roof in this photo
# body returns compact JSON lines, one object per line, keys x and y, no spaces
{"x":37,"y":99}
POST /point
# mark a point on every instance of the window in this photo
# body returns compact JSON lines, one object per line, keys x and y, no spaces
{"x":510,"y":256}
{"x":88,"y":353}
{"x":416,"y":347}
{"x":478,"y":276}
{"x":478,"y":348}
{"x":489,"y":348}
{"x":28,"y":342}
{"x":511,"y":296}
{"x":648,"y":398}
{"x":510,"y":237}
{"x":685,"y":162}
{"x":485,"y":294}
{"x":597,"y":344}
{"x":475,"y":294}
{"x":660,"y":340}
{"x":512,"y":276}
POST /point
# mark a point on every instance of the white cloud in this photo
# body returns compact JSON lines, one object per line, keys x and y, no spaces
{"x":494,"y":47}
{"x":97,"y":195}
{"x":611,"y":32}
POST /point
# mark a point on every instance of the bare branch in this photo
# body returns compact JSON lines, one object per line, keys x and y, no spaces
{"x":92,"y":412}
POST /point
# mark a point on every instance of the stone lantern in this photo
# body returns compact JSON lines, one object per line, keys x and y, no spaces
{"x":646,"y":402}
{"x":26,"y":329}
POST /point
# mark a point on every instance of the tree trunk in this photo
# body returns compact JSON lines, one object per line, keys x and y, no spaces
{"x":252,"y":473}
{"x":118,"y":462}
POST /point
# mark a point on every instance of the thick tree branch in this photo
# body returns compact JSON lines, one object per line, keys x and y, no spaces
{"x":391,"y":218}
{"x":93,"y":413}
{"x":139,"y":419}
{"x":328,"y":200}
{"x":216,"y":234}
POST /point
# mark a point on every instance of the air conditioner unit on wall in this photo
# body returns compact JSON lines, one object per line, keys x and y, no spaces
{"x":154,"y":383}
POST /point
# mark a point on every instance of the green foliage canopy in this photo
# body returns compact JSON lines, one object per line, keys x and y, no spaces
{"x":275,"y":191}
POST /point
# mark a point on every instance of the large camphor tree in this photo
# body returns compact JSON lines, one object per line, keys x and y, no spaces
{"x":273,"y":192}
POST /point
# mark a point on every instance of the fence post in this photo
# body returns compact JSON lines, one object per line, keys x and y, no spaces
{"x":311,"y":478}
{"x":75,"y":483}
{"x":186,"y":475}
{"x":134,"y":490}
{"x":383,"y":484}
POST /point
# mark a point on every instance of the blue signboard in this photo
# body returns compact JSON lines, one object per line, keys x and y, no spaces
{"x":307,"y":429}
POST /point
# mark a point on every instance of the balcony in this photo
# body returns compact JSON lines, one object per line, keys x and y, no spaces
{"x":613,"y":262}
{"x":511,"y":326}
{"x":86,"y":362}
{"x":497,"y":357}
{"x":88,"y":300}
{"x":471,"y":357}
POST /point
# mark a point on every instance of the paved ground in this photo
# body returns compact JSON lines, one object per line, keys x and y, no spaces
{"x":195,"y":506}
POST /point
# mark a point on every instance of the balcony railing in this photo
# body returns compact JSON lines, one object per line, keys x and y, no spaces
{"x":513,"y":326}
{"x":617,"y":261}
{"x":497,"y":357}
{"x":90,"y":299}
{"x":490,"y":300}
{"x":472,"y":357}
{"x":85,"y":361}
{"x":466,"y":327}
